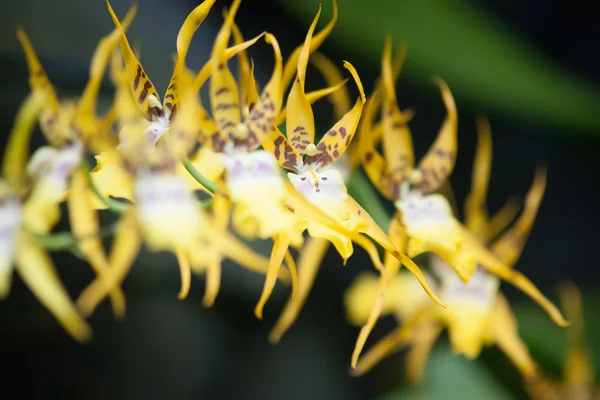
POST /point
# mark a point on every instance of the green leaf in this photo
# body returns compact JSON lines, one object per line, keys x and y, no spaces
{"x":484,"y":62}
{"x":449,"y":376}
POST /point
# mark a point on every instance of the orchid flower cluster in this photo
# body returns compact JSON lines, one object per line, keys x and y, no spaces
{"x":155,"y":160}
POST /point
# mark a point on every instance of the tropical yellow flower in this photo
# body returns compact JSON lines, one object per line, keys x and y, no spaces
{"x":424,"y":221}
{"x":476,"y":314}
{"x":313,"y":176}
{"x":70,"y":126}
{"x":18,"y":244}
{"x":578,"y":381}
{"x":165,"y":213}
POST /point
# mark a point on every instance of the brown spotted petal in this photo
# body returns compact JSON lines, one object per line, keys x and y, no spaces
{"x":261,"y":121}
{"x":284,"y":153}
{"x":184,"y":38}
{"x":438,"y":163}
{"x":335,"y":142}
{"x":141,"y":87}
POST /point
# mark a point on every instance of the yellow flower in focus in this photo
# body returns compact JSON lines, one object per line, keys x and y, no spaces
{"x":578,"y":381}
{"x":322,"y":185}
{"x":477,"y":314}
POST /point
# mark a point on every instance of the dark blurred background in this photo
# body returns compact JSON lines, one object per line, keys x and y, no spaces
{"x":531,"y":66}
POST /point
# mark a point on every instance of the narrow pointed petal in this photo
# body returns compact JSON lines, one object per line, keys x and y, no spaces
{"x":393,"y":342}
{"x":418,"y":354}
{"x":311,"y":256}
{"x":496,"y":267}
{"x":333,"y":78}
{"x":225,"y":98}
{"x":16,"y":152}
{"x":261,"y":120}
{"x":436,"y":166}
{"x":335,"y":142}
{"x":291,"y":265}
{"x":85,"y":226}
{"x":397,"y":140}
{"x":141,"y":87}
{"x":38,"y":80}
{"x":126,"y":246}
{"x":213,"y":283}
{"x":578,"y":369}
{"x":509,"y":246}
{"x":289,"y":69}
{"x":36,"y":269}
{"x":502,"y":219}
{"x":476,"y":214}
{"x":504,"y":327}
{"x":374,"y":164}
{"x":186,"y":273}
{"x":280,"y":246}
{"x":86,"y":108}
{"x":313,"y":97}
{"x":184,"y":38}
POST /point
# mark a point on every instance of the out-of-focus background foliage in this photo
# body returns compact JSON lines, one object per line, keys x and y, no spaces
{"x":531,"y":66}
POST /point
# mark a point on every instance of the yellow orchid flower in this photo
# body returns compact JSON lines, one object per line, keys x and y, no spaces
{"x":322,"y":185}
{"x":425,"y":221}
{"x":312,"y":253}
{"x":578,"y":381}
{"x":18,"y":245}
{"x":477,"y":314}
{"x":165,"y":213}
{"x":70,"y":126}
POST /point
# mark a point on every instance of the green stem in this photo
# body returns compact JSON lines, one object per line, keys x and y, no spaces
{"x":66,"y":241}
{"x":364,"y":193}
{"x":112,"y":204}
{"x":201,"y":179}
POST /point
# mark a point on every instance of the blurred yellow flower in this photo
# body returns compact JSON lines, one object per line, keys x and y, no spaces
{"x":476,"y":314}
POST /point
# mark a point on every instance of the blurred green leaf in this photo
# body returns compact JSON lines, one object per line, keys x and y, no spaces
{"x":449,"y":376}
{"x":483,"y":61}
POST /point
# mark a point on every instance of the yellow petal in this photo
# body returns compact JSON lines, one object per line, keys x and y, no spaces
{"x":125,"y":248}
{"x":476,"y":215}
{"x":86,"y":108}
{"x":438,"y":163}
{"x":504,"y":326}
{"x":418,"y":354}
{"x":16,"y":152}
{"x":289,"y":69}
{"x":502,"y":219}
{"x":310,"y":259}
{"x":300,"y":124}
{"x":184,"y":38}
{"x":110,"y":177}
{"x":578,"y":370}
{"x":280,"y":246}
{"x":496,"y":267}
{"x":335,"y":142}
{"x":261,"y":120}
{"x":36,"y":269}
{"x":223,"y":88}
{"x":393,"y":342}
{"x":509,"y":246}
{"x":85,"y":226}
{"x":206,"y":70}
{"x":374,"y":163}
{"x":286,"y":156}
{"x":333,"y":78}
{"x":185,"y":271}
{"x":141,"y":87}
{"x":397,"y":141}
{"x":213,"y":283}
{"x":38,"y":81}
{"x":312,"y":97}
{"x":248,"y":85}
